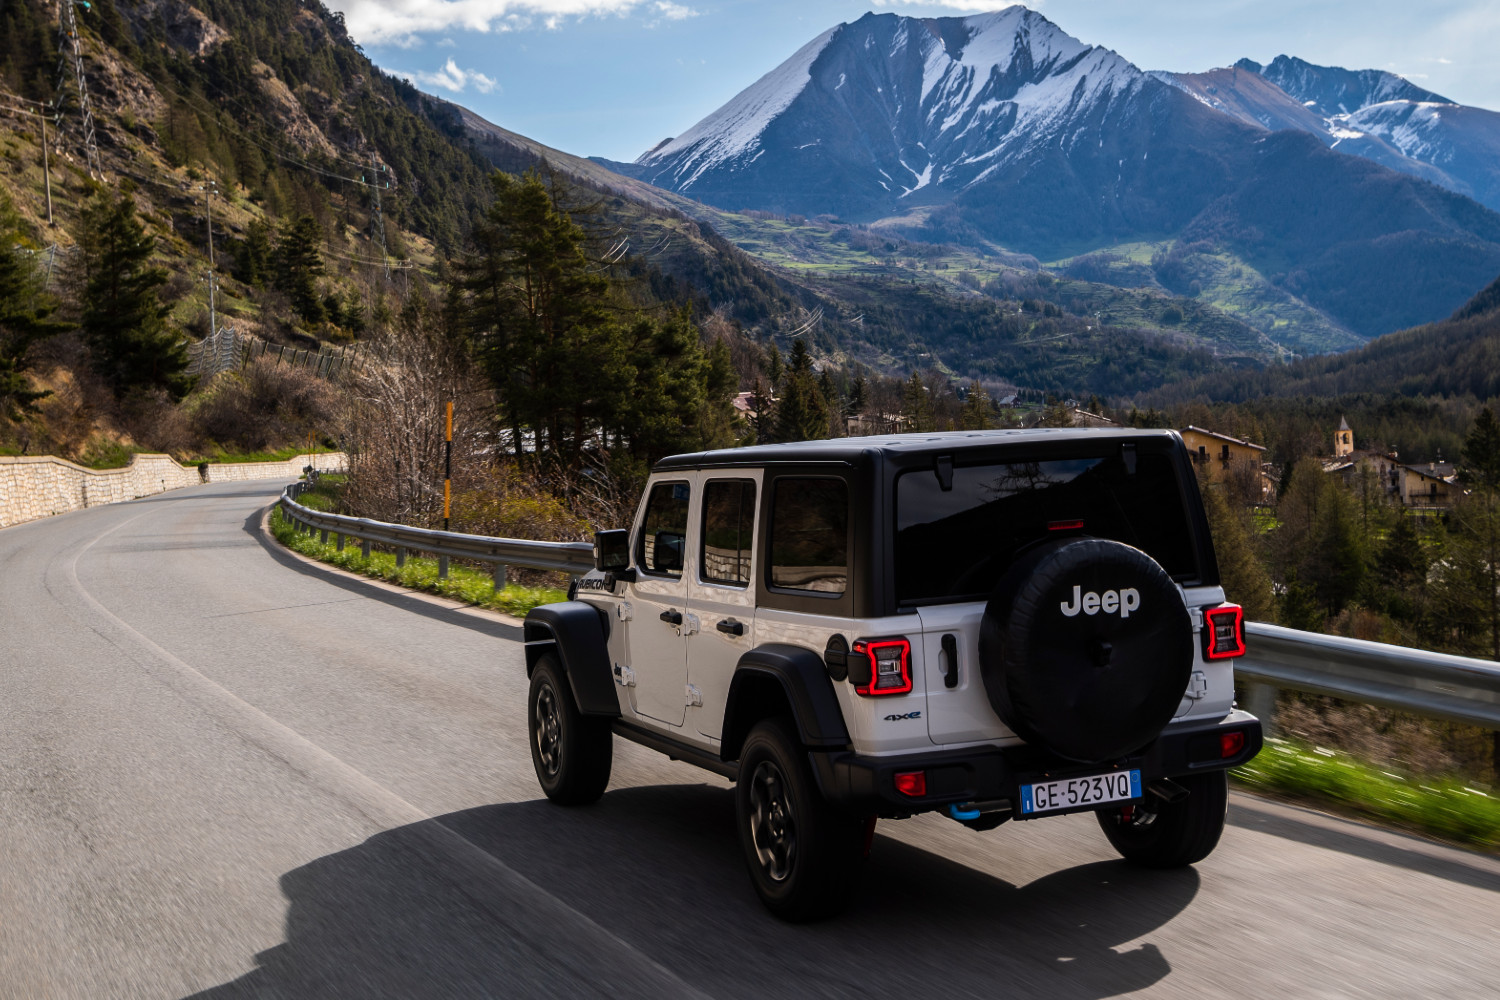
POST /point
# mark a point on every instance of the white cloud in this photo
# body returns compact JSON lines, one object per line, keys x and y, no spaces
{"x":393,"y":21}
{"x":453,"y":77}
{"x":674,"y":11}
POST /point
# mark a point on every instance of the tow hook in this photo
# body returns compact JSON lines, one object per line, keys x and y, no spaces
{"x":983,"y":815}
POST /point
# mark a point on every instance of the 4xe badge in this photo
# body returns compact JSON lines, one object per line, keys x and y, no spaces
{"x":900,"y":718}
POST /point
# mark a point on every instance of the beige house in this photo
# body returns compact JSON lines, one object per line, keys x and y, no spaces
{"x":1219,"y":453}
{"x":1427,"y":486}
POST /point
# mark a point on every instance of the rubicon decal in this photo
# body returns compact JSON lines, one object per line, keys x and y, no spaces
{"x":1121,"y":602}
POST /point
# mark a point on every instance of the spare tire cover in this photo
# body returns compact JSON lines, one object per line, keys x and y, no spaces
{"x":1086,"y":648}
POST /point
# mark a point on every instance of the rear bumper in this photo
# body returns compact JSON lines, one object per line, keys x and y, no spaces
{"x":993,"y":776}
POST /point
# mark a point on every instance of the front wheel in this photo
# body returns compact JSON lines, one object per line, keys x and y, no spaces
{"x":1175,"y":834}
{"x":572,"y":752}
{"x":803,"y":853}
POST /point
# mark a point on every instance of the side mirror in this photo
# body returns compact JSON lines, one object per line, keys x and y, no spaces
{"x":667,"y":554}
{"x":612,"y":550}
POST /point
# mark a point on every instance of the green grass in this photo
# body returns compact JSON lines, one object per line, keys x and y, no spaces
{"x":102,"y":454}
{"x":1442,"y":807}
{"x":281,"y":455}
{"x":463,"y":584}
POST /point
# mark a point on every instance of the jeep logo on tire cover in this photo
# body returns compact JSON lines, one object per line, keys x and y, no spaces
{"x":1121,"y":602}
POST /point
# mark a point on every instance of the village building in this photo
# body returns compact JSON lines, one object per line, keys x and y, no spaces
{"x":1423,"y":486}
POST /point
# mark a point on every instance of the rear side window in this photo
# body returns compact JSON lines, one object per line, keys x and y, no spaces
{"x":810,"y":535}
{"x":957,"y":544}
{"x":728,"y":527}
{"x":664,"y":531}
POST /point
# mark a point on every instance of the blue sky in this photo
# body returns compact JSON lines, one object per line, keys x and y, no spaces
{"x":614,"y":77}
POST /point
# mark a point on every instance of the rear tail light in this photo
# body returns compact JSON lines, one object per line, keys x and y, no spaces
{"x":1223,"y":632}
{"x":912,"y":783}
{"x":1230,"y":744}
{"x":887,"y":667}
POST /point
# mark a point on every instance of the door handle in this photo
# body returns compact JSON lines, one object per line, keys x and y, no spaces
{"x":950,"y":669}
{"x":730,"y":627}
{"x":671,"y":617}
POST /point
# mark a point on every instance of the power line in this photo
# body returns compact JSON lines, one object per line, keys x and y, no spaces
{"x":70,"y":45}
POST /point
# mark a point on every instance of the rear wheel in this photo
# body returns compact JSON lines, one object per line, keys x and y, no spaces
{"x":1171,"y":835}
{"x":572,"y":752}
{"x":803,"y":853}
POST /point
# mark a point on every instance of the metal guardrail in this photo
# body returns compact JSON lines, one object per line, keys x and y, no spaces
{"x":1438,"y":685}
{"x":561,"y":557}
{"x":1410,"y":680}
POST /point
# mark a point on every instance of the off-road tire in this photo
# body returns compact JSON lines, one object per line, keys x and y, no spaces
{"x":572,"y":752}
{"x":803,"y":854}
{"x":1181,"y":833}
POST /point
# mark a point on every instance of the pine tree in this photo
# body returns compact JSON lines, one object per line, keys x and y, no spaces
{"x":859,"y":395}
{"x":252,"y":255}
{"x":534,"y":307}
{"x":774,"y":367}
{"x":1477,"y":518}
{"x":976,"y":414}
{"x":1245,"y":579}
{"x":916,"y":406}
{"x":124,"y":320}
{"x":802,"y":413}
{"x":24,"y":312}
{"x":297,"y":264}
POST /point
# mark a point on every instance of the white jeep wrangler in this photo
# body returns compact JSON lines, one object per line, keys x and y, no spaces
{"x":996,"y":625}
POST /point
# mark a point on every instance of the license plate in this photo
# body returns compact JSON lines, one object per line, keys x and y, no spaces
{"x":1080,"y":793}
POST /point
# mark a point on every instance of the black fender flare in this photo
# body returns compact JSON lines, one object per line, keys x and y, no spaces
{"x":802,"y":679}
{"x":578,"y":633}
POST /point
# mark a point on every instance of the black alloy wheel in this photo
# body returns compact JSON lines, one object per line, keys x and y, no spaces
{"x":572,"y":753}
{"x":802,"y":852}
{"x":773,"y":829}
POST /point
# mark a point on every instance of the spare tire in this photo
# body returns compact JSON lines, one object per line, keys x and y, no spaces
{"x":1086,"y":648}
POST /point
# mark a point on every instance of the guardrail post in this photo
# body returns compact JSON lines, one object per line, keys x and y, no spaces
{"x":500,"y":578}
{"x":1260,"y":701}
{"x":341,"y":541}
{"x":365,"y":548}
{"x":323,"y":536}
{"x":400,"y":556}
{"x":442,"y":567}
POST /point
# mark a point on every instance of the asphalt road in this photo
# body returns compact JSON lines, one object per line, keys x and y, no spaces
{"x":225,"y":772}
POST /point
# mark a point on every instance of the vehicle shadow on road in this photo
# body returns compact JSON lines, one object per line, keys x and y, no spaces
{"x":659,"y":867}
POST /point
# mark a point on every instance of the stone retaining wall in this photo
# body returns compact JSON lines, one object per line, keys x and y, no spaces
{"x":40,"y":487}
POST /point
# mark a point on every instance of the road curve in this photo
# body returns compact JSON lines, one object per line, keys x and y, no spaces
{"x":225,"y":772}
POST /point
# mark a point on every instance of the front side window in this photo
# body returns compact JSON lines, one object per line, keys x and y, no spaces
{"x":728,"y":528}
{"x":662,"y":544}
{"x":810,"y":535}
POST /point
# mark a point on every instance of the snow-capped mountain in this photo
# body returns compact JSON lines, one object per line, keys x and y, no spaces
{"x":925,"y":104}
{"x":1368,"y":113}
{"x":1003,"y":129}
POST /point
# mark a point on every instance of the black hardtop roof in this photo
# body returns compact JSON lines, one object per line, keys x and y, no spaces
{"x":852,"y":449}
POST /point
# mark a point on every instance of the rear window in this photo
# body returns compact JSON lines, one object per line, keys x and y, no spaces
{"x":810,"y":535}
{"x":956,"y":544}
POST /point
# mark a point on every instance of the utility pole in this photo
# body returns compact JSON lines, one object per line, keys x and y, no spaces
{"x":448,"y":466}
{"x":70,"y":45}
{"x":377,"y":219}
{"x":46,"y":164}
{"x":213,"y":278}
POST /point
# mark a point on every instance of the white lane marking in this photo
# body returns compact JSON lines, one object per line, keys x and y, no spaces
{"x":589,"y":951}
